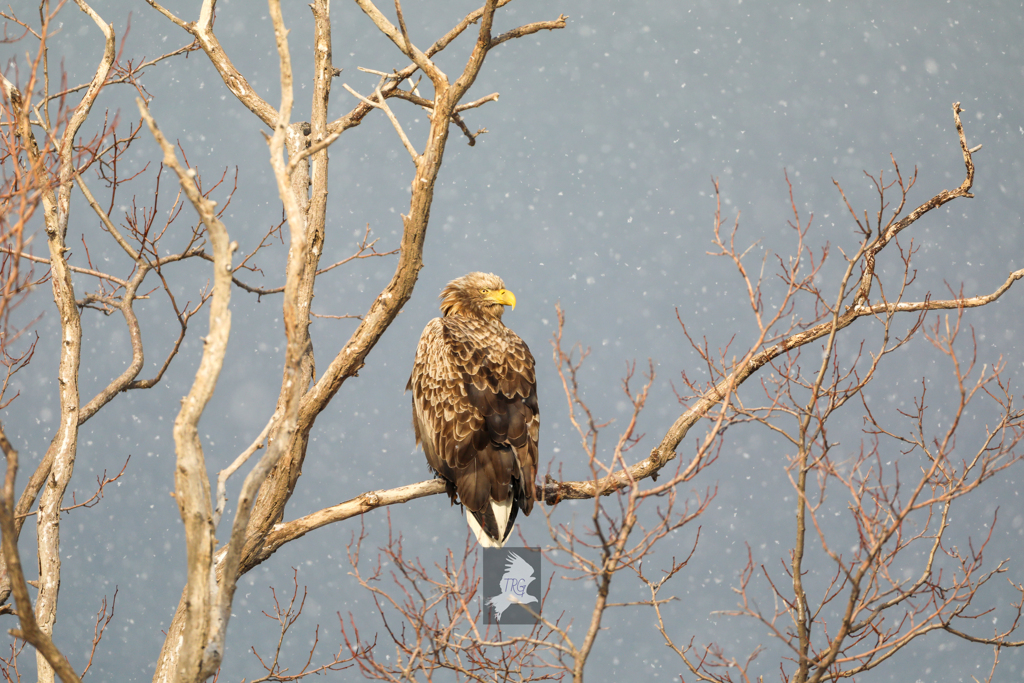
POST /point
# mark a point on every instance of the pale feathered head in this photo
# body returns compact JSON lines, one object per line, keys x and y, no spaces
{"x":477,"y":295}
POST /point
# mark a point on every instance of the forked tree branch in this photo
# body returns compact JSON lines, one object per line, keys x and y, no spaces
{"x":292,"y":387}
{"x":192,"y":488}
{"x":754,"y":360}
{"x":202,"y":31}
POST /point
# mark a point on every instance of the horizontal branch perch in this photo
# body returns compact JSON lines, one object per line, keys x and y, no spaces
{"x":551,"y":492}
{"x":361,"y":504}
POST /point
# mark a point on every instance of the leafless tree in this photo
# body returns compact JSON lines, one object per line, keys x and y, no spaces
{"x":45,"y":159}
{"x":55,"y":145}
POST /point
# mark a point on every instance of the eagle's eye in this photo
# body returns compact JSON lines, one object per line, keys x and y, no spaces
{"x":483,"y":291}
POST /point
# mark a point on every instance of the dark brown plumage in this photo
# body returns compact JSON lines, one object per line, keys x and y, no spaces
{"x":474,"y":405}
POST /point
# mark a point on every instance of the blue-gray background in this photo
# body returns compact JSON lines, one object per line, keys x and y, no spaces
{"x":593,"y":188}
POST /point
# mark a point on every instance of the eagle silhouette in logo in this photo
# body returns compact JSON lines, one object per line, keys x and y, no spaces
{"x":515,"y":585}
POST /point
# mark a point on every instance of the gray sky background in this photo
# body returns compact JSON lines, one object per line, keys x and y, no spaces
{"x":592,"y":188}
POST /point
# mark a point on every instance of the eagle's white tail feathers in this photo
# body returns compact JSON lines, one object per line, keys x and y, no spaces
{"x":502,"y":512}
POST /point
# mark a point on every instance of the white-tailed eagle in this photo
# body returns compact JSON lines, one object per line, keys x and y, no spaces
{"x":474,"y":406}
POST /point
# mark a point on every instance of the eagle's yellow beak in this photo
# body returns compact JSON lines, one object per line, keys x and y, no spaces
{"x":503,"y":297}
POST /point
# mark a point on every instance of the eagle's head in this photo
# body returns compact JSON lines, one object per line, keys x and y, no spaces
{"x":477,"y":295}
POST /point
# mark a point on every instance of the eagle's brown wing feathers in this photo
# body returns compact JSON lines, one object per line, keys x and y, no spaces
{"x":475,"y":412}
